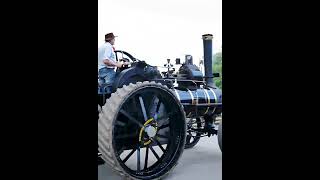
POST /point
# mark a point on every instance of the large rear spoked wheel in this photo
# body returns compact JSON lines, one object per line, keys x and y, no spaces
{"x":142,"y":131}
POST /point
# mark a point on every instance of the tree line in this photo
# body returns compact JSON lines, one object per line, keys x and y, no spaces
{"x":217,"y":68}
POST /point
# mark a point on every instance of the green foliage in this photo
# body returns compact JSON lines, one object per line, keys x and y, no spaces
{"x":217,"y":58}
{"x":217,"y":68}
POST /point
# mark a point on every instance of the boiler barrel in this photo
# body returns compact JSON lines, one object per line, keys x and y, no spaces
{"x":200,"y":101}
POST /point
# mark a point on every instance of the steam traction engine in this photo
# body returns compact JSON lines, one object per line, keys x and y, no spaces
{"x":146,"y":119}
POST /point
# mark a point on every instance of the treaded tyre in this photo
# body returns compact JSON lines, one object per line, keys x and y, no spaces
{"x":137,"y":122}
{"x":220,"y":135}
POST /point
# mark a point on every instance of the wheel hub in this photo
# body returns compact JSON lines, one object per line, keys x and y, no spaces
{"x":151,"y":131}
{"x":148,"y":131}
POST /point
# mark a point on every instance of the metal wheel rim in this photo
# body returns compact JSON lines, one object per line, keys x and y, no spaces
{"x":175,"y":130}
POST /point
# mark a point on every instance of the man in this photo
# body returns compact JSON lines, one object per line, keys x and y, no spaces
{"x":107,"y":60}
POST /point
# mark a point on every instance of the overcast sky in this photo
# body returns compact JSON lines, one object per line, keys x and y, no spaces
{"x":154,"y":30}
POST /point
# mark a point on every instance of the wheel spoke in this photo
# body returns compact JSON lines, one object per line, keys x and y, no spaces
{"x":158,"y":143}
{"x":134,"y":104}
{"x":153,"y":105}
{"x":162,"y":136}
{"x":163,"y":118}
{"x":119,"y":123}
{"x":131,"y":118}
{"x":143,"y":109}
{"x":138,"y":159}
{"x":156,"y":102}
{"x":163,"y":126}
{"x":128,"y":156}
{"x":146,"y":159}
{"x":135,"y":107}
{"x":158,"y":106}
{"x":188,"y":139}
{"x":154,"y":152}
{"x":124,"y":136}
{"x":167,"y":117}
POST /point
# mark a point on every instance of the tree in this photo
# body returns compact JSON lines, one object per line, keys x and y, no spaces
{"x":217,"y":68}
{"x":217,"y":58}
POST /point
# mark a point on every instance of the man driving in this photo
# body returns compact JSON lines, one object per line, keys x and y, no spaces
{"x":107,"y":60}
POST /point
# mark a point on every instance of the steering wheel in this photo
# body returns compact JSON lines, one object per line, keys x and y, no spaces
{"x":125,"y":57}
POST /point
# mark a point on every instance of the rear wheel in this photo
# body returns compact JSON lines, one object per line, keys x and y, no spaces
{"x":220,"y":135}
{"x":142,"y":131}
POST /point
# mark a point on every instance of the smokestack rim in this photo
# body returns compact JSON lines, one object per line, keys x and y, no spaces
{"x":207,"y":37}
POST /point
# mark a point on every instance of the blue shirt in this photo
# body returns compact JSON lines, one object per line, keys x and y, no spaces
{"x":105,"y":52}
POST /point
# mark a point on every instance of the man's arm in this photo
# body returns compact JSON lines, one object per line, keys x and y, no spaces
{"x":108,"y":52}
{"x":111,"y":63}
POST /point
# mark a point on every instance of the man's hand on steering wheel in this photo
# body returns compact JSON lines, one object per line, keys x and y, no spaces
{"x":125,"y":62}
{"x":122,"y":65}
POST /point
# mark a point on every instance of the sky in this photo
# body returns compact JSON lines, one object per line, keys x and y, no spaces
{"x":156,"y":30}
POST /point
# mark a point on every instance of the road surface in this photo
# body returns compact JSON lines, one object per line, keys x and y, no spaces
{"x":204,"y":161}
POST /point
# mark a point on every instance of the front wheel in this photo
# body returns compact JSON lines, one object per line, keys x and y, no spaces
{"x":192,"y":137}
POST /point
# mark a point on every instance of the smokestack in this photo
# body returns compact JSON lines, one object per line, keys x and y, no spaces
{"x":207,"y":47}
{"x":189,"y":60}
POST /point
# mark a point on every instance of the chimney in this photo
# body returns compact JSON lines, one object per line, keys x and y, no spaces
{"x":207,"y":49}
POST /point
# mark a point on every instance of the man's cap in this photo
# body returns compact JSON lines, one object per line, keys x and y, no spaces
{"x":109,"y":36}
